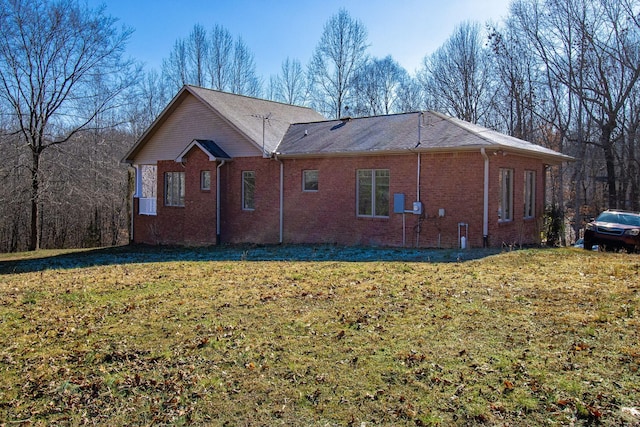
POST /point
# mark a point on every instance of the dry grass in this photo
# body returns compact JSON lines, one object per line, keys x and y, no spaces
{"x":533,"y":337}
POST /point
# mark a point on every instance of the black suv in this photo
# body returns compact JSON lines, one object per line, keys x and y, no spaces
{"x":614,"y":229}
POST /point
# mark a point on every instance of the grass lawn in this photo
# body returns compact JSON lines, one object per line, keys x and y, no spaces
{"x":131,"y":336}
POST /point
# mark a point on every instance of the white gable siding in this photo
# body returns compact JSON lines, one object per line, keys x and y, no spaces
{"x":193,"y":120}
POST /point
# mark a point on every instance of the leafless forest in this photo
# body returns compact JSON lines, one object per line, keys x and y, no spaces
{"x":559,"y":73}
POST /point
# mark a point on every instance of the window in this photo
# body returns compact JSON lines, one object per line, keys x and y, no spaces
{"x":310,"y":180}
{"x":505,"y":210}
{"x":248,"y":190}
{"x":174,"y":189}
{"x":529,"y":194}
{"x":205,"y":180}
{"x":373,"y":193}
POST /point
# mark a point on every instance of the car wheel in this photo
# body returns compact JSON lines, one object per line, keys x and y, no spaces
{"x":588,"y":245}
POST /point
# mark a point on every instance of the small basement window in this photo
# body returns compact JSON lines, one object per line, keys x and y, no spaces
{"x":310,"y":180}
{"x":205,"y":180}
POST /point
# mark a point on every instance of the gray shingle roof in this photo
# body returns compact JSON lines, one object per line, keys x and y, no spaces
{"x":249,"y":114}
{"x":213,"y":149}
{"x":210,"y":148}
{"x":244,"y":113}
{"x":428,"y":131}
{"x":294,"y":131}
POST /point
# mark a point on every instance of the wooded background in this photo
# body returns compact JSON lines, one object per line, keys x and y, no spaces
{"x":559,"y":73}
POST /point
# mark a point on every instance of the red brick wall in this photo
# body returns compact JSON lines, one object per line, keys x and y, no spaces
{"x":191,"y":224}
{"x":449,"y":181}
{"x":520,"y":231}
{"x":260,"y":225}
{"x":330,"y":214}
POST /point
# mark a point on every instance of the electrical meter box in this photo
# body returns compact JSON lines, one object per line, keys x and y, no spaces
{"x":417,"y":208}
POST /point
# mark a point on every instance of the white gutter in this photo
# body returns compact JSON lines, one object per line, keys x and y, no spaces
{"x":222,"y":162}
{"x":485,"y":213}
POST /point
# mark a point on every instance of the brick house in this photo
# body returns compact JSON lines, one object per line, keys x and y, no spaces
{"x":222,"y":168}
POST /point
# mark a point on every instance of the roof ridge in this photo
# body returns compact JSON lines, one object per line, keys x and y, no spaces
{"x":255,"y":98}
{"x":463,"y":124}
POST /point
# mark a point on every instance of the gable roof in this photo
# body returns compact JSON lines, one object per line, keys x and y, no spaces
{"x":399,"y":133}
{"x":292,"y":131}
{"x":262,"y":122}
{"x":209,"y":147}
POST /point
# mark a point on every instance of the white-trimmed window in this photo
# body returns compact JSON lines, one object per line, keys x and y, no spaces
{"x":205,"y":180}
{"x":373,"y":192}
{"x":505,"y":209}
{"x":248,"y":190}
{"x":174,"y":189}
{"x":529,"y":194}
{"x":310,"y":180}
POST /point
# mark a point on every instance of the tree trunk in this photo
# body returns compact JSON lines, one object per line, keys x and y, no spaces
{"x":609,"y":157}
{"x":34,"y":238}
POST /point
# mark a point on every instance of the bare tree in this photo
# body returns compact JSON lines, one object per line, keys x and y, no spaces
{"x":244,"y":80}
{"x":212,"y":61}
{"x":518,"y":90}
{"x":220,"y":60}
{"x":376,"y":86}
{"x":588,"y":51}
{"x":336,"y":60}
{"x":409,"y":95}
{"x":457,"y":76}
{"x":197,"y":49}
{"x":150,"y":96}
{"x":175,"y":68}
{"x":290,"y":86}
{"x":51,"y":56}
{"x":611,"y":34}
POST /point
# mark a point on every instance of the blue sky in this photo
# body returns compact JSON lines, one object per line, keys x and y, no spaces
{"x":274,"y":30}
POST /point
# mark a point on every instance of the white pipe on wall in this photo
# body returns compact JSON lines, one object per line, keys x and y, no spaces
{"x":281,"y":200}
{"x":485,"y":213}
{"x":218,"y":232}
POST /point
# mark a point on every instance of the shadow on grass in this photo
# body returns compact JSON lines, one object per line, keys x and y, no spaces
{"x":305,"y":253}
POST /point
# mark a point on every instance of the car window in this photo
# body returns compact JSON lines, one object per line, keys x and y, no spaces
{"x":630,"y":219}
{"x":619,"y":218}
{"x":607,"y":217}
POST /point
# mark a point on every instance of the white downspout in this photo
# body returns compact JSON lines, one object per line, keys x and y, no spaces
{"x":418,"y":178}
{"x":485,"y":213}
{"x":420,"y":117}
{"x":281,"y":200}
{"x":417,"y":145}
{"x":137,"y":192}
{"x":133,"y":217}
{"x":218,"y":232}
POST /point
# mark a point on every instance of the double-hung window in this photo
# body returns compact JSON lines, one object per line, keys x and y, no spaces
{"x":505,"y":209}
{"x":529,"y":194}
{"x":174,"y":189}
{"x":248,"y":190}
{"x":373,"y":192}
